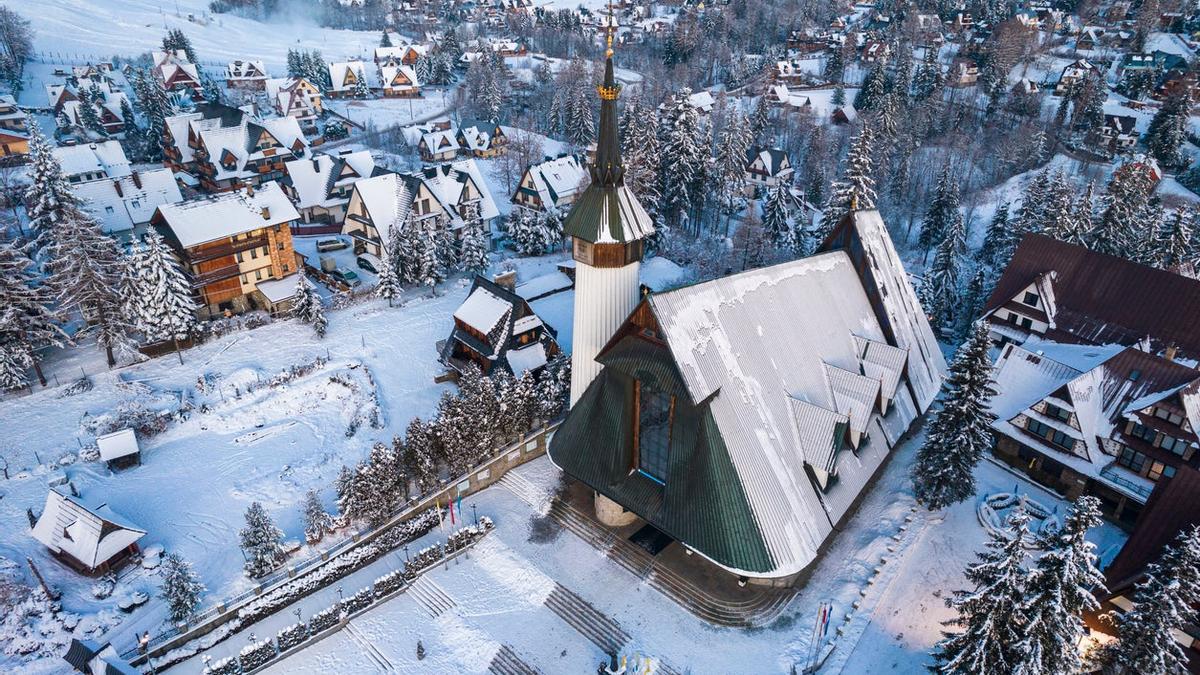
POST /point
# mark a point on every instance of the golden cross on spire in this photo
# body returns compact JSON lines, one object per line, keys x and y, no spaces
{"x":611,"y":29}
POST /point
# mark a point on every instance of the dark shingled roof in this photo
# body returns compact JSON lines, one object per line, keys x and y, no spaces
{"x":1103,"y":299}
{"x":702,"y":503}
{"x":81,"y":652}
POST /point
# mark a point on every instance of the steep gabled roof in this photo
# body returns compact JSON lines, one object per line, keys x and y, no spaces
{"x":1101,"y":298}
{"x":90,"y":535}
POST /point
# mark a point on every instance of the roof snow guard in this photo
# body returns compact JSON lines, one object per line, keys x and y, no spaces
{"x":607,"y":212}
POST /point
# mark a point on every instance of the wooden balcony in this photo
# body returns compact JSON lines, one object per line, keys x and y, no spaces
{"x":219,"y":274}
{"x":199,"y":255}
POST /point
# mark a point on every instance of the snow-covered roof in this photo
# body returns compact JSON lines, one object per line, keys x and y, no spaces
{"x":448,"y":181}
{"x":528,"y":358}
{"x":278,"y":290}
{"x":339,"y":72}
{"x":557,"y":180}
{"x":754,"y":344}
{"x":121,"y":443}
{"x":246,"y":70}
{"x":440,"y":140}
{"x":388,"y":200}
{"x":546,"y":284}
{"x":388,"y":77}
{"x":702,"y":101}
{"x":119,"y":204}
{"x":106,"y":156}
{"x":483,"y":310}
{"x":228,"y":213}
{"x":90,"y":535}
{"x":314,"y":179}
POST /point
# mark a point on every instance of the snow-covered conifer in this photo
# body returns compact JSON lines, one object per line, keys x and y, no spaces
{"x":317,"y":522}
{"x":960,"y":431}
{"x":475,"y":244}
{"x":1116,"y":231}
{"x":388,"y":286}
{"x":989,"y":616}
{"x":943,"y":213}
{"x":261,"y":541}
{"x":684,"y":156}
{"x":49,"y":196}
{"x":1168,"y":128}
{"x":28,"y":320}
{"x":856,"y":188}
{"x":1176,"y":241}
{"x":161,"y":301}
{"x":181,"y":588}
{"x":939,"y":292}
{"x":1163,"y":604}
{"x":776,"y":220}
{"x":998,"y":241}
{"x":307,"y":306}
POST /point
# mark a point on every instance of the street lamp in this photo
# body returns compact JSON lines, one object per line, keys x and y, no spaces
{"x":339,"y":590}
{"x":474,"y":513}
{"x":406,"y":560}
{"x":297,"y":613}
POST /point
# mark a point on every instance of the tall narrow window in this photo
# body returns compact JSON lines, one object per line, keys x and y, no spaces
{"x":655,"y":409}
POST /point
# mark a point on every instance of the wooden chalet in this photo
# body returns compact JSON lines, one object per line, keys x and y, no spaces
{"x":90,"y":540}
{"x":225,"y":148}
{"x":230,"y":242}
{"x":553,"y":184}
{"x":482,"y":138}
{"x":496,"y":328}
{"x":246,"y":75}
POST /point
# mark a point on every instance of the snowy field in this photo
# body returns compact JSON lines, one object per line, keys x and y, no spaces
{"x":498,"y":596}
{"x":386,"y":112}
{"x":106,"y":28}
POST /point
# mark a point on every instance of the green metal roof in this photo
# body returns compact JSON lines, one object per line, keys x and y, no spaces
{"x":702,"y":503}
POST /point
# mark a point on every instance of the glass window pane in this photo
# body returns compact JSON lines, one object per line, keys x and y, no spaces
{"x":654,"y":432}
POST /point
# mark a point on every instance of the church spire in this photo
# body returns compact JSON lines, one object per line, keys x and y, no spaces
{"x":607,"y":170}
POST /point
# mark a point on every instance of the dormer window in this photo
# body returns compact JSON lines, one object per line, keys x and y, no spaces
{"x":1164,"y":414}
{"x":1058,"y":413}
{"x":652,"y":435}
{"x":1030,"y":299}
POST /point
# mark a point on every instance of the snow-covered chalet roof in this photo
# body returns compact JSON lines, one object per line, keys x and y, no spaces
{"x":557,"y":180}
{"x":448,"y":181}
{"x":107,"y":157}
{"x":339,"y":73}
{"x":483,"y":310}
{"x":90,"y":535}
{"x":228,"y":213}
{"x":314,"y":179}
{"x":246,"y":70}
{"x":120,"y":204}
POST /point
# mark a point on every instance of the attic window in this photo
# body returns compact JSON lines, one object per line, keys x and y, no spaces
{"x":1135,"y":375}
{"x":1030,"y":299}
{"x":652,"y":437}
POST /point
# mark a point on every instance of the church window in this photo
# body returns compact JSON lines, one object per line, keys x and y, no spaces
{"x":655,"y":412}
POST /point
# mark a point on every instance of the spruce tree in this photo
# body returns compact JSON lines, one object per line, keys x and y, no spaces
{"x":990,"y":616}
{"x":317,"y":522}
{"x":86,"y":271}
{"x":162,"y":303}
{"x":960,"y":431}
{"x":684,"y":156}
{"x":1168,"y":128}
{"x":971,"y":305}
{"x":1163,"y":604}
{"x":261,"y":541}
{"x":28,"y":320}
{"x":307,"y":306}
{"x":939,"y":292}
{"x":943,"y":213}
{"x":729,"y":173}
{"x":776,"y":221}
{"x":49,"y":196}
{"x":873,"y":89}
{"x":388,"y":286}
{"x":295,"y":64}
{"x":1115,"y":232}
{"x":421,"y":450}
{"x":998,"y":242}
{"x":856,"y":188}
{"x":1061,"y":589}
{"x":475,"y":244}
{"x":181,"y":588}
{"x":1176,"y":241}
{"x":385,"y":40}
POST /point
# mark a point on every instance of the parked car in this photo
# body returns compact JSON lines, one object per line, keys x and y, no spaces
{"x":370,"y":263}
{"x":327,"y":245}
{"x":346,"y":276}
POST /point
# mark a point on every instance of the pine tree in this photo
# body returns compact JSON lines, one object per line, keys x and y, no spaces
{"x":776,"y":221}
{"x":49,"y":196}
{"x":971,"y":305}
{"x":1163,"y":604}
{"x":1060,"y":591}
{"x":1082,"y":213}
{"x":385,"y":41}
{"x":1176,"y":241}
{"x":939,"y":293}
{"x":133,"y":140}
{"x":1059,"y":218}
{"x":212,"y":91}
{"x":729,"y":173}
{"x":856,"y":188}
{"x":989,"y":615}
{"x":760,"y":119}
{"x":388,"y":286}
{"x":928,"y":79}
{"x":261,"y":541}
{"x":28,"y":321}
{"x":1168,"y":128}
{"x":475,"y":245}
{"x":361,"y":90}
{"x":317,"y":522}
{"x":684,"y":156}
{"x":960,"y":432}
{"x":155,"y":106}
{"x":89,"y":117}
{"x":835,"y":67}
{"x":181,"y":588}
{"x":307,"y":306}
{"x":162,"y":303}
{"x":998,"y":242}
{"x":421,"y":452}
{"x":943,"y":211}
{"x":1088,"y":107}
{"x":639,"y":147}
{"x":874,"y":88}
{"x":86,"y":270}
{"x":295,"y":64}
{"x":1115,"y":232}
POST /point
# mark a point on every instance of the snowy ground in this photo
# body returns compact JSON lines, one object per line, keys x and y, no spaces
{"x":386,"y":112}
{"x":100,"y":29}
{"x":498,"y":596}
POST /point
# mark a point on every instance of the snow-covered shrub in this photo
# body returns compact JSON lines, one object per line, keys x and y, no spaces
{"x":325,"y":618}
{"x":360,"y":600}
{"x":75,"y":388}
{"x":257,"y":654}
{"x":291,"y":636}
{"x":104,"y":586}
{"x":335,"y":130}
{"x":392,"y":581}
{"x":226,"y":666}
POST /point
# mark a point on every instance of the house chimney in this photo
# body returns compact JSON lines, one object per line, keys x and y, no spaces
{"x":249,"y":190}
{"x":266,"y":213}
{"x":117,"y":187}
{"x":1172,"y":350}
{"x":506,"y":280}
{"x":137,"y":180}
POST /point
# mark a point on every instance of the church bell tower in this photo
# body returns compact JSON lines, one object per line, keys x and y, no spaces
{"x":607,"y":227}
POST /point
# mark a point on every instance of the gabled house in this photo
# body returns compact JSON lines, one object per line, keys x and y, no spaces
{"x":482,"y":138}
{"x":1117,"y":135}
{"x":399,"y":81}
{"x":321,"y":186}
{"x":496,"y":328}
{"x":246,"y":75}
{"x":177,"y":75}
{"x":123,"y":206}
{"x":92,"y":161}
{"x":108,"y":107}
{"x":553,"y":184}
{"x":1059,"y":292}
{"x":296,"y":97}
{"x":438,"y":145}
{"x":12,"y":118}
{"x":964,"y":72}
{"x":742,"y":417}
{"x":1102,"y":420}
{"x":789,"y":100}
{"x":767,"y":167}
{"x":90,"y":540}
{"x":349,"y":78}
{"x":92,"y":658}
{"x":225,"y":148}
{"x":1074,"y":74}
{"x":231,"y":242}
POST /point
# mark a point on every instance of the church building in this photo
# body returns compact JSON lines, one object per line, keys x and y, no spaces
{"x":741,"y":417}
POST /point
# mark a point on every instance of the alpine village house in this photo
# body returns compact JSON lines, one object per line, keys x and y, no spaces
{"x":739,"y":417}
